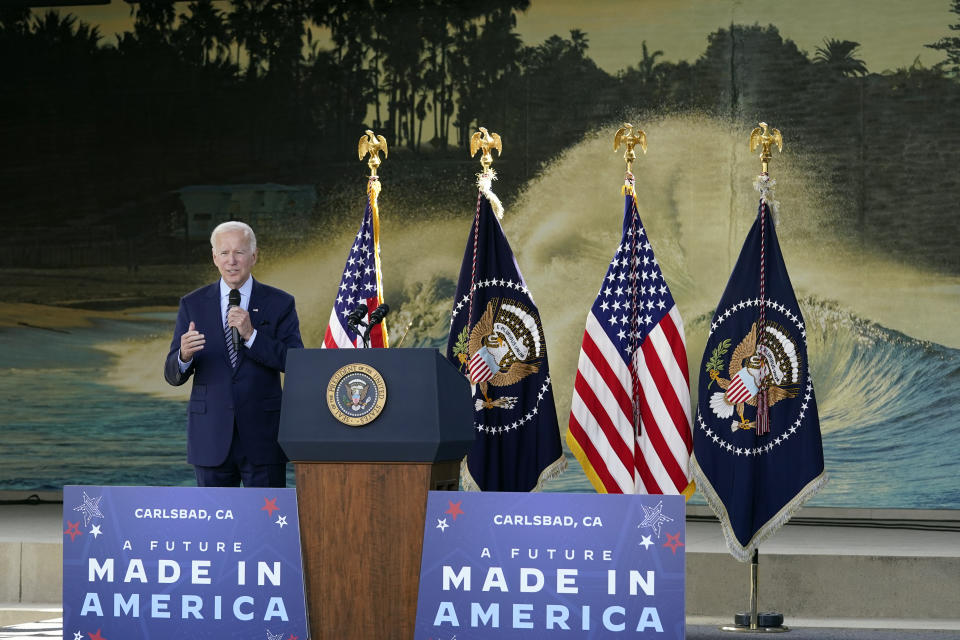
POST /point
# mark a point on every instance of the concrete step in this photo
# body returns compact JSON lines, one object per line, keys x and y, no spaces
{"x":20,"y":613}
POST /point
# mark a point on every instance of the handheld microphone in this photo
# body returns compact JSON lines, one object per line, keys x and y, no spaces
{"x":379,"y":314}
{"x":356,"y":317}
{"x":233,"y":300}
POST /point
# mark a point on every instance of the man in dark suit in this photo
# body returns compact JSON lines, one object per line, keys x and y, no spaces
{"x":234,"y":410}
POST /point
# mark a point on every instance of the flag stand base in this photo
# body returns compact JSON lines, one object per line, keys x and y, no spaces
{"x":751,"y":621}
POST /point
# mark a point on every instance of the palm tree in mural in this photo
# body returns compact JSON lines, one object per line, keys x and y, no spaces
{"x":648,"y":65}
{"x":272,"y":33}
{"x":202,"y":32}
{"x":580,"y":41}
{"x":491,"y":51}
{"x":840,"y":56}
{"x":14,"y":19}
{"x":403,"y":64}
{"x":153,"y":22}
{"x":950,"y":44}
{"x":65,"y":34}
{"x":245,"y":28}
{"x":437,"y":41}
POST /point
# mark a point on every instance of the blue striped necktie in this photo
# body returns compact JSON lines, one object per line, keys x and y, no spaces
{"x":228,"y":335}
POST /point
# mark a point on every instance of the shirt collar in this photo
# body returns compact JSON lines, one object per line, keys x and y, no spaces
{"x":245,"y":289}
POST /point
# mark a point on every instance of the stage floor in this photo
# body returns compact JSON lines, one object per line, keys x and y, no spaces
{"x":53,"y":629}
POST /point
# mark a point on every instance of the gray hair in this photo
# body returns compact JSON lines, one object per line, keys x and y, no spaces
{"x":235,"y":225}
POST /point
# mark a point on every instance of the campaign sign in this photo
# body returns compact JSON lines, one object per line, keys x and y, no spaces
{"x":181,"y":562}
{"x":538,"y":565}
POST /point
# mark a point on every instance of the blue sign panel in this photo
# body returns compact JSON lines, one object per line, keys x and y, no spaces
{"x":538,"y":565}
{"x":179,"y":562}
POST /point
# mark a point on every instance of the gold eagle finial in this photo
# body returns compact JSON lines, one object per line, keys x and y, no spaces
{"x":372,"y":144}
{"x":486,"y":141}
{"x":629,"y":137}
{"x":763,"y":138}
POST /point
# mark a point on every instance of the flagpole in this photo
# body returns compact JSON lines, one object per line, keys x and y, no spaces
{"x":630,"y":137}
{"x":484,"y":141}
{"x":373,"y":145}
{"x":752,"y":621}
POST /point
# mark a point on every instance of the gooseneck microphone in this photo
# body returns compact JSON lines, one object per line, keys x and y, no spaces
{"x":233,"y":300}
{"x":356,"y":317}
{"x":378,"y":315}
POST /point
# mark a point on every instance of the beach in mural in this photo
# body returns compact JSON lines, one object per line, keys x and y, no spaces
{"x":88,"y":405}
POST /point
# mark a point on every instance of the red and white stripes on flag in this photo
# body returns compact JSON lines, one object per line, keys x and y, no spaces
{"x":630,"y":418}
{"x":479,"y":370}
{"x":361,"y":282}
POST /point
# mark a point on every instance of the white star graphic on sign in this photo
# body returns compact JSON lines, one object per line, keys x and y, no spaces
{"x":95,"y":531}
{"x":442,"y":524}
{"x":77,"y":636}
{"x":90,"y":508}
{"x":646,"y":542}
{"x":654,"y":518}
{"x":282,"y":521}
{"x":271,"y":636}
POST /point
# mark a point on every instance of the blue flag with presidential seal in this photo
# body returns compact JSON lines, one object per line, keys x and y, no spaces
{"x":757,"y":449}
{"x":497,"y":341}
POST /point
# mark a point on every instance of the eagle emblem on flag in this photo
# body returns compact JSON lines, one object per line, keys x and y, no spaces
{"x":504,"y":347}
{"x":773,"y":364}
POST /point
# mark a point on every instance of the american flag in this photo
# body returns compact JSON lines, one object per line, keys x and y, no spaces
{"x":630,"y":417}
{"x":361,"y":282}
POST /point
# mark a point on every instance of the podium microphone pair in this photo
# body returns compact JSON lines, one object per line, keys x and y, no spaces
{"x":356,"y":318}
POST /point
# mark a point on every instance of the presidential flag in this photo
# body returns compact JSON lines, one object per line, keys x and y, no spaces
{"x":360,"y":283}
{"x":630,"y":413}
{"x":497,"y":341}
{"x":757,"y":450}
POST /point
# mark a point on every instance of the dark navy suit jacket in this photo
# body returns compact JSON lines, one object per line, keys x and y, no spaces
{"x":248,"y":395}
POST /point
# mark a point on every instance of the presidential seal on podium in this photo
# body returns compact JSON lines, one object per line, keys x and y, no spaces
{"x":356,"y":394}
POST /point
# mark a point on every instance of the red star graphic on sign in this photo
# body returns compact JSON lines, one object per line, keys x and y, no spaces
{"x":269,"y":506}
{"x":293,"y":637}
{"x":454,"y":509}
{"x":73,"y":530}
{"x":673,"y":542}
{"x":96,"y":636}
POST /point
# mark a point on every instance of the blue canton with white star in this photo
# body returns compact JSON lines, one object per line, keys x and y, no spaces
{"x":634,"y":296}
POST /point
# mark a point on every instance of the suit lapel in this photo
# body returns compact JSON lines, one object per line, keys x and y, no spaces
{"x":256,"y":300}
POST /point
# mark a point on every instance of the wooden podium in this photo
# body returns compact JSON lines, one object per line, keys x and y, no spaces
{"x":362,"y":490}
